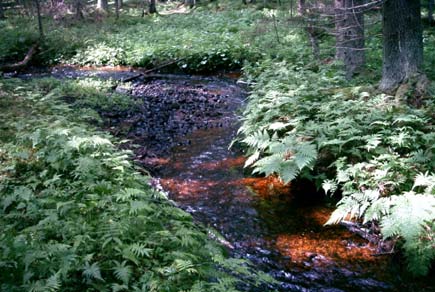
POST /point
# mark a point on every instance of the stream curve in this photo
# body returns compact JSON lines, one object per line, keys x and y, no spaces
{"x":182,"y":134}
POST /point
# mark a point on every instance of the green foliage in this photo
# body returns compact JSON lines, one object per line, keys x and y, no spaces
{"x":204,"y":42}
{"x":76,"y":215}
{"x":302,"y":121}
{"x":15,"y":43}
{"x":284,"y":102}
{"x":95,"y":94}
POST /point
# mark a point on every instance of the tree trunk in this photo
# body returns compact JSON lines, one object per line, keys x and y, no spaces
{"x":190,"y":3}
{"x":349,"y":32}
{"x":152,"y":7}
{"x":2,"y":13}
{"x":38,"y":12}
{"x":430,"y":11}
{"x":403,"y":44}
{"x":143,"y":5}
{"x":312,"y":32}
{"x":301,"y":7}
{"x":103,"y":5}
{"x":79,"y":12}
{"x":117,"y":9}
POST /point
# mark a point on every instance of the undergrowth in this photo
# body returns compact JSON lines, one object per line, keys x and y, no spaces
{"x":203,"y":42}
{"x":75,"y":214}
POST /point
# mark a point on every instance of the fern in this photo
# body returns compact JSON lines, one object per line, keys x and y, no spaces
{"x":367,"y":146}
{"x":140,"y":250}
{"x":122,"y":272}
{"x":73,"y":204}
{"x":92,"y":272}
{"x":412,"y":218}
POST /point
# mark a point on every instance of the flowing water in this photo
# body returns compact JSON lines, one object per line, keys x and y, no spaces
{"x":182,"y":134}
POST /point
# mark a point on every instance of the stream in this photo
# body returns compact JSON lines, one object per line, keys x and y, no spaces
{"x":182,"y":134}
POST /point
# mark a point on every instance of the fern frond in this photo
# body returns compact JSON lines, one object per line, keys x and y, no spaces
{"x":259,"y":140}
{"x":140,"y":250}
{"x":92,"y":271}
{"x":122,"y":272}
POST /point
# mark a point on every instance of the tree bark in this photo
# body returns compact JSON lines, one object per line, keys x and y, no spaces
{"x":190,"y":3}
{"x":117,"y":9}
{"x":2,"y":13}
{"x":402,"y":44}
{"x":349,"y":32}
{"x":103,"y":5}
{"x":79,"y":12}
{"x":38,"y":12}
{"x":152,"y":7}
{"x":310,"y":29}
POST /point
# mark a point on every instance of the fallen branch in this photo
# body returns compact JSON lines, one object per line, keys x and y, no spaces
{"x":152,"y":70}
{"x":23,"y":63}
{"x":362,"y":232}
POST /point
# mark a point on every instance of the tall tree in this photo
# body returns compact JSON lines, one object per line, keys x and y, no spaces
{"x":152,"y":7}
{"x":349,"y":32}
{"x":402,"y":43}
{"x":2,"y":13}
{"x":79,"y":12}
{"x":102,"y":5}
{"x":306,"y":12}
{"x":117,"y":9}
{"x":190,"y":3}
{"x":38,"y":12}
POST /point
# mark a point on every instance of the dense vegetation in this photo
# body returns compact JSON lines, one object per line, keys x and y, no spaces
{"x":76,"y":213}
{"x":377,"y":151}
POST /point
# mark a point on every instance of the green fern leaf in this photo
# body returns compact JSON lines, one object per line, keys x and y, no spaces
{"x":122,"y":271}
{"x":92,"y":271}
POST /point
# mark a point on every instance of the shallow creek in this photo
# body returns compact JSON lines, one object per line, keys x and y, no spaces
{"x":182,"y":134}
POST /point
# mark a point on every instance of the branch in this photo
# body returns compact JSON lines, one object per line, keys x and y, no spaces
{"x":363,"y":7}
{"x":23,"y":63}
{"x":152,"y":70}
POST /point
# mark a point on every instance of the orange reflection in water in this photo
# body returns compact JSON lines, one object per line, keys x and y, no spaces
{"x":267,"y":187}
{"x":225,"y":164}
{"x":297,"y":231}
{"x":307,"y":242}
{"x":187,"y":188}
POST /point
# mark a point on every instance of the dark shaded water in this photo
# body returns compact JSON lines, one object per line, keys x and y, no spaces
{"x":182,"y":133}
